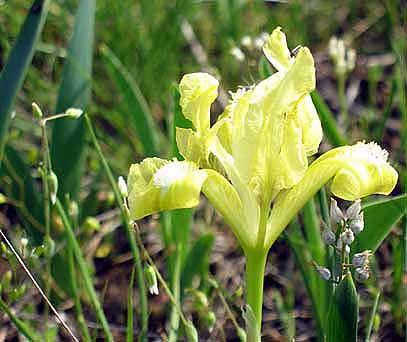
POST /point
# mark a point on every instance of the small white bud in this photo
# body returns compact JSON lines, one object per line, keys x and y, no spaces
{"x":122,"y":187}
{"x":333,"y":47}
{"x":336,"y":213}
{"x":323,"y":272}
{"x":347,"y":251}
{"x":347,"y":237}
{"x":350,"y":60}
{"x":237,"y":53}
{"x":36,"y":111}
{"x":53,"y":186}
{"x":339,"y":244}
{"x":353,"y":211}
{"x":74,"y":113}
{"x":358,"y":224}
{"x":362,"y":273}
{"x":151,"y":279}
{"x":24,"y":242}
{"x":246,"y":41}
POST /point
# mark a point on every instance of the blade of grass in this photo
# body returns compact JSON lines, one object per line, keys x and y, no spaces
{"x":380,"y":218}
{"x":129,"y":230}
{"x":13,"y":74}
{"x":83,"y":268}
{"x":130,"y":308}
{"x":68,"y":136}
{"x":372,"y":316}
{"x":328,"y":121}
{"x":74,"y":288}
{"x":20,"y":325}
{"x":138,"y":110}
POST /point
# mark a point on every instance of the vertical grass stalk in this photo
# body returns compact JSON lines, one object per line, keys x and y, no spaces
{"x":133,"y":244}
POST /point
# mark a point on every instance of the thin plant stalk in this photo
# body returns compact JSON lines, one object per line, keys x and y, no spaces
{"x":342,"y":100}
{"x":83,"y":268}
{"x":372,"y":316}
{"x":77,"y":302}
{"x":175,"y":287}
{"x":130,"y":309}
{"x":160,"y":278}
{"x":37,"y":286}
{"x":133,"y":244}
{"x":47,"y":206}
{"x":21,"y":326}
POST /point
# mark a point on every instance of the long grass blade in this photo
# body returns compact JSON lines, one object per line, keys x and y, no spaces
{"x":68,"y":136}
{"x":13,"y":74}
{"x":138,"y":110}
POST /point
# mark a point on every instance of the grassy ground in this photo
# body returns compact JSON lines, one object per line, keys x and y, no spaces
{"x":157,"y":42}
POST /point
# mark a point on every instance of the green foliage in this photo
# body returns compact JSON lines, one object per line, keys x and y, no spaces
{"x":342,"y":323}
{"x":15,"y":70}
{"x":380,"y":218}
{"x":68,"y":136}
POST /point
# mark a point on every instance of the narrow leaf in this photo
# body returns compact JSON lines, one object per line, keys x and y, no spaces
{"x":380,"y":217}
{"x":68,"y":135}
{"x":343,"y":313}
{"x":138,"y":110}
{"x":15,"y":70}
{"x":328,"y":122}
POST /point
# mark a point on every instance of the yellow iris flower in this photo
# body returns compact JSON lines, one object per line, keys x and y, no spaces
{"x":255,"y":157}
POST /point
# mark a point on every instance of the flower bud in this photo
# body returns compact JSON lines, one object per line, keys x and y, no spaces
{"x":53,"y":186}
{"x":122,"y":187}
{"x":361,"y":259}
{"x":324,"y":272}
{"x":347,"y":251}
{"x":151,"y":279}
{"x":350,"y":60}
{"x":237,"y":54}
{"x":49,"y":246}
{"x":362,"y":273}
{"x":336,"y":213}
{"x":36,"y":111}
{"x":74,"y":210}
{"x":91,"y":224}
{"x":328,"y":236}
{"x":6,"y":280}
{"x":23,"y":243}
{"x":190,"y":332}
{"x":246,"y":41}
{"x":201,"y":300}
{"x":74,"y":113}
{"x":347,"y":237}
{"x":210,"y":319}
{"x":358,"y":224}
{"x":353,"y":211}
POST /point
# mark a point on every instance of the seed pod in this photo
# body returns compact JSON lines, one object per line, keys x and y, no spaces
{"x":49,"y":246}
{"x":3,"y":198}
{"x":151,"y":279}
{"x":91,"y":224}
{"x":242,"y":335}
{"x":347,"y":237}
{"x":353,"y":211}
{"x":210,"y":319}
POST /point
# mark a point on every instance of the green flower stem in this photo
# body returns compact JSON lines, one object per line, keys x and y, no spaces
{"x":77,"y":302}
{"x":83,"y":268}
{"x":342,"y":100}
{"x":21,"y":327}
{"x":175,"y":288}
{"x":255,"y":266}
{"x":133,"y":244}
